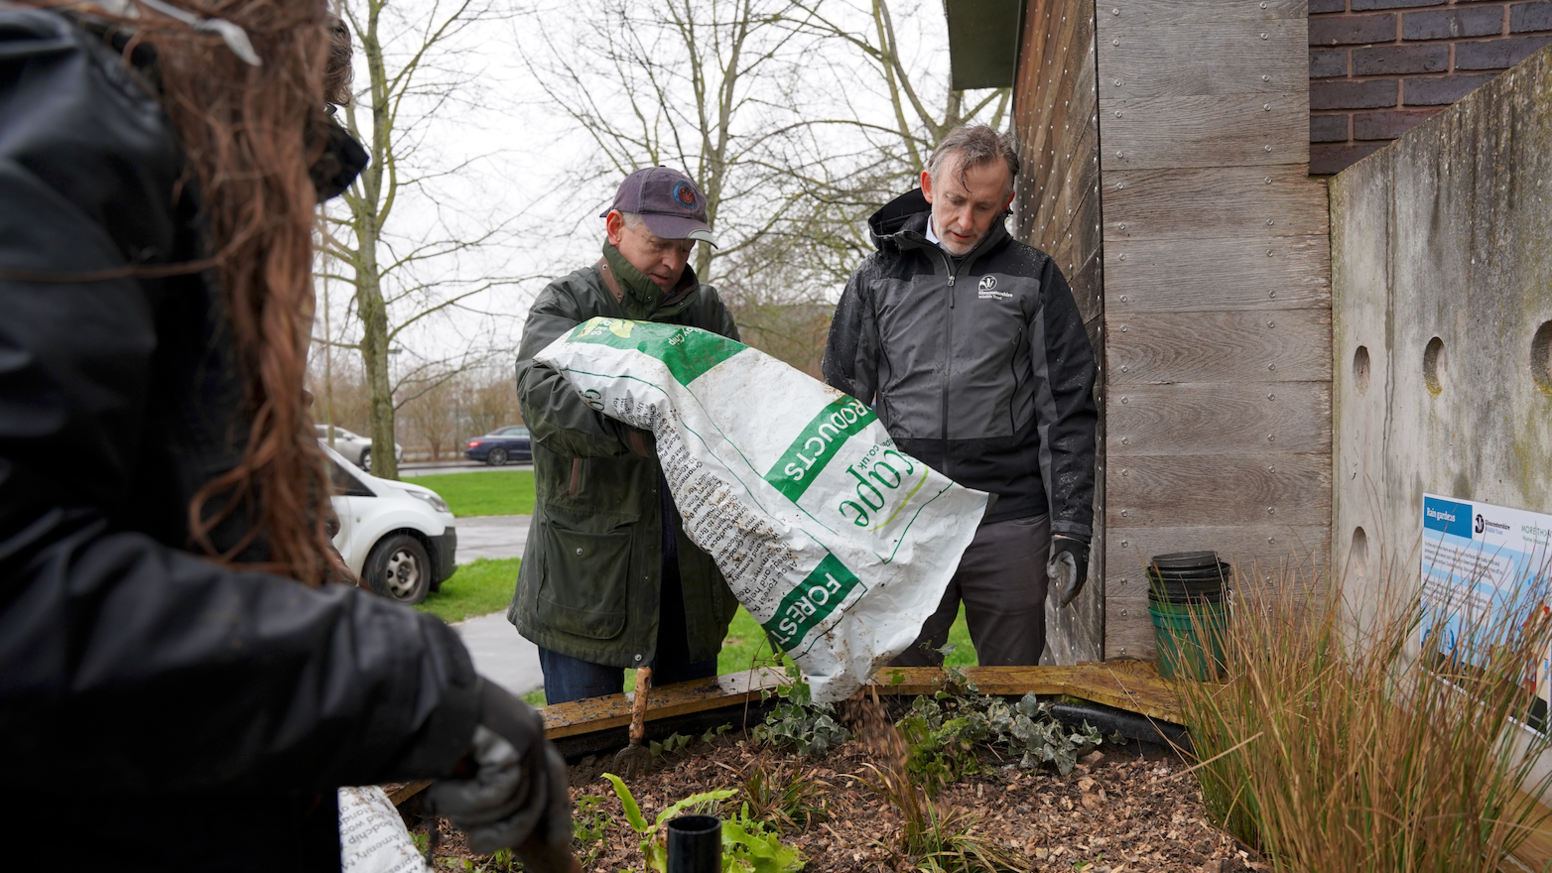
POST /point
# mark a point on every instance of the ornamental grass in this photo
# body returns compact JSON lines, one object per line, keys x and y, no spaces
{"x":1335,"y":742}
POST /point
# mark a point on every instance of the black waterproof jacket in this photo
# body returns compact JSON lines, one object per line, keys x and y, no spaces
{"x":979,"y":365}
{"x":158,"y":712}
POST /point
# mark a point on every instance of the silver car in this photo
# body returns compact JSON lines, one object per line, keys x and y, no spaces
{"x":354,"y":448}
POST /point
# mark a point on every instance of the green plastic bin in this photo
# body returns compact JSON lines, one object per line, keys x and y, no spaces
{"x":1182,"y":652}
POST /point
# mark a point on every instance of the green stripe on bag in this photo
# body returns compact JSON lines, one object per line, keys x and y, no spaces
{"x":815,"y":446}
{"x":811,"y":602}
{"x":688,"y":352}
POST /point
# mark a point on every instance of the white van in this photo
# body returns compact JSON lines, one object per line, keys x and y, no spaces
{"x":399,"y":538}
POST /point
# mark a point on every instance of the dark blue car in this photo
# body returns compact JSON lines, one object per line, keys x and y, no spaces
{"x":500,"y":446}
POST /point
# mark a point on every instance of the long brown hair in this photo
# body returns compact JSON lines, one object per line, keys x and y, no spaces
{"x":249,"y":134}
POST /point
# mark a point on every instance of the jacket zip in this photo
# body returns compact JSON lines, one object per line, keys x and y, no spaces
{"x":948,"y":360}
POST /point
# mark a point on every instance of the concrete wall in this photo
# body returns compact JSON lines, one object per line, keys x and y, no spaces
{"x":1442,"y":308}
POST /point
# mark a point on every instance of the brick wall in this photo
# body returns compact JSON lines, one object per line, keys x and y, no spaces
{"x":1378,"y":67}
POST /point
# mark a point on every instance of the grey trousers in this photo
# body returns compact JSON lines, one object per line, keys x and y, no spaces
{"x":1001,"y":580}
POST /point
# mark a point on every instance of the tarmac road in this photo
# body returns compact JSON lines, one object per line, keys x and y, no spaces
{"x":499,"y":652}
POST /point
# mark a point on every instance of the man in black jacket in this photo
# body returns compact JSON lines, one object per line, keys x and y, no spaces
{"x":970,"y":346}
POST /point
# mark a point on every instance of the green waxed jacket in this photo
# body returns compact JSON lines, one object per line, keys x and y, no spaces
{"x":591,"y":571}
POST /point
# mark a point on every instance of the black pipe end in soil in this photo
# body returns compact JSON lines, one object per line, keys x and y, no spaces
{"x":695,"y":844}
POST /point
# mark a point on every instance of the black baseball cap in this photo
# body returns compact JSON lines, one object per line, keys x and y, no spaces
{"x":668,"y":201}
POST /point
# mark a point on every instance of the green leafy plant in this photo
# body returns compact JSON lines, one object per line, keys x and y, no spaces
{"x":798,"y":723}
{"x":784,"y":796}
{"x":676,"y":741}
{"x":746,"y":844}
{"x":589,"y":825}
{"x":934,"y":838}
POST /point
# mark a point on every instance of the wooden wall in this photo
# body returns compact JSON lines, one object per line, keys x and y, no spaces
{"x":1199,"y":249}
{"x":1057,"y":210}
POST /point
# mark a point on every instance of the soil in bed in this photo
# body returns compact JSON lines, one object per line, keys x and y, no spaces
{"x":1120,"y":809}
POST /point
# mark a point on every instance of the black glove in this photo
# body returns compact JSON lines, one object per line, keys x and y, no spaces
{"x":1068,"y":567}
{"x":516,"y":796}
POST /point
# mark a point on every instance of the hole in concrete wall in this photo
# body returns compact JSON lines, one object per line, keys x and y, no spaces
{"x":1361,"y":369}
{"x":1541,"y":357}
{"x":1436,"y":365}
{"x":1358,"y":555}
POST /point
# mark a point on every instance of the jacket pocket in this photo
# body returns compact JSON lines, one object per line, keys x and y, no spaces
{"x":586,"y":586}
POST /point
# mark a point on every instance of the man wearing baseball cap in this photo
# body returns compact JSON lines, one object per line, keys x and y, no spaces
{"x":609,"y":580}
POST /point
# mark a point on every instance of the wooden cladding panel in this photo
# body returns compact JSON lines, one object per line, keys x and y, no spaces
{"x":1226,"y":130}
{"x":1270,"y":273}
{"x":1058,"y":211}
{"x":1224,"y":205}
{"x":1054,"y":107}
{"x":1218,"y":490}
{"x":1218,"y":57}
{"x":1266,"y":556}
{"x":1197,"y":419}
{"x":1258,"y":551}
{"x":1174,"y":13}
{"x":1168,"y":347}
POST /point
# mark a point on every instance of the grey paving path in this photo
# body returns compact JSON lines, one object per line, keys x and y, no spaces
{"x":492,"y":536}
{"x":499,"y":652}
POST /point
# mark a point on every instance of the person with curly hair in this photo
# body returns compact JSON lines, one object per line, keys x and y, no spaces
{"x":183,"y":682}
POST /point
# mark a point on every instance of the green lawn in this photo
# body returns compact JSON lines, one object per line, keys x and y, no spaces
{"x":485,"y":586}
{"x":482,"y":587}
{"x":487,"y":492}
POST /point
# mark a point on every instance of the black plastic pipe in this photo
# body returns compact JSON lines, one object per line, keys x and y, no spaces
{"x":695,"y":844}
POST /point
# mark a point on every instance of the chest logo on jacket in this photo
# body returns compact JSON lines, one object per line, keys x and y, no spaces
{"x":987,"y":290}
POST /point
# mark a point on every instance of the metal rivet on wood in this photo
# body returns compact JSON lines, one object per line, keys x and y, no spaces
{"x":1267,"y":106}
{"x":1263,"y":35}
{"x":1272,"y":294}
{"x":1116,"y":41}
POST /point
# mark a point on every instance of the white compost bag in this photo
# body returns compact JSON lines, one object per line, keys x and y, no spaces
{"x":838,"y":543}
{"x":373,"y":838}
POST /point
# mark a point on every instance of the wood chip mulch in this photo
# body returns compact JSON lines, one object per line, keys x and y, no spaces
{"x":1118,"y":811}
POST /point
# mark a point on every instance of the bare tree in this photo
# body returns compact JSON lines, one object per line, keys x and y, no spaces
{"x":402,"y":278}
{"x":798,"y":119}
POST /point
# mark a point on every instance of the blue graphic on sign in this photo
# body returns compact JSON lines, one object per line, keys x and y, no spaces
{"x":1447,"y":516}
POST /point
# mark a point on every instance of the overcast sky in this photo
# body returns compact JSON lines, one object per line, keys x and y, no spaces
{"x":515,"y":153}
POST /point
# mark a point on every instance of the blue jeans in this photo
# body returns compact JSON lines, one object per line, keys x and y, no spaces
{"x":567,"y":678}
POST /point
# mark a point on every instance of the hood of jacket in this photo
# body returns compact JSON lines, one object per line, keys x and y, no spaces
{"x":902,"y":222}
{"x":644,"y":300}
